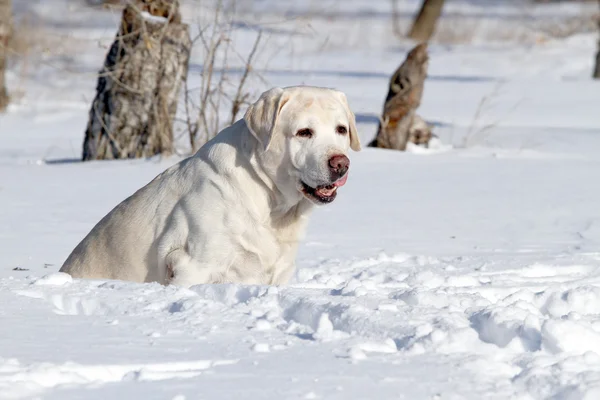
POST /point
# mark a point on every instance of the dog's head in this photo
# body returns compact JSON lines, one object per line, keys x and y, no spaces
{"x":304,"y":134}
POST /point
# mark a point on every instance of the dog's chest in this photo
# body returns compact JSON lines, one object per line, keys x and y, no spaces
{"x":268,"y":252}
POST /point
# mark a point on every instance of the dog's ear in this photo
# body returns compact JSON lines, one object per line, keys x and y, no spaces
{"x":261,"y":117}
{"x":354,"y":140}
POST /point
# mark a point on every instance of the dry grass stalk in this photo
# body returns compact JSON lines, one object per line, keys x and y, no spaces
{"x":203,"y":119}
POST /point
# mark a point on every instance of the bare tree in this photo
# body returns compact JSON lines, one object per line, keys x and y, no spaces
{"x":5,"y":32}
{"x":400,"y":123}
{"x":425,"y":22}
{"x":137,"y":92}
{"x":597,"y":68}
{"x":220,"y":97}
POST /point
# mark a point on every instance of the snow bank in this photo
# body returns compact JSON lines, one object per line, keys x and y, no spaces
{"x":467,"y":270}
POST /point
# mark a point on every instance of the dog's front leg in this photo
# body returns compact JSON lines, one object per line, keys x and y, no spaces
{"x":183,"y":270}
{"x":283,"y":274}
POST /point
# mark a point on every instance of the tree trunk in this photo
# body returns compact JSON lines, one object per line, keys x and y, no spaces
{"x":597,"y":68}
{"x":138,"y":87}
{"x":424,"y":25}
{"x":400,"y":123}
{"x":5,"y":32}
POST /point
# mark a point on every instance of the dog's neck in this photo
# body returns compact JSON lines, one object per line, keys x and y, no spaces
{"x":286,"y":206}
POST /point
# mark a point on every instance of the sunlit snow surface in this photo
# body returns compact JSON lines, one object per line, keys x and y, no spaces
{"x":468,"y":270}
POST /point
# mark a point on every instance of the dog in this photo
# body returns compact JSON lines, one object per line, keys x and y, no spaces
{"x":235,"y":211}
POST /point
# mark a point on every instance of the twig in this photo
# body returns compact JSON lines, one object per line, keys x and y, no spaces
{"x":239,"y":98}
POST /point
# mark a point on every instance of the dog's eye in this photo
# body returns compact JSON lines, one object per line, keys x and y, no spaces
{"x":341,"y":130}
{"x":306,"y":132}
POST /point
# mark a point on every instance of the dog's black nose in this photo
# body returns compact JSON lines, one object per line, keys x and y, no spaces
{"x":338,"y":165}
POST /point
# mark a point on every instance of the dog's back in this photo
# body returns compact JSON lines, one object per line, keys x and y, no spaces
{"x":119,"y":246}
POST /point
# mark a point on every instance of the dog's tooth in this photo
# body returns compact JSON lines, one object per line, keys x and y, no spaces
{"x":327,"y":191}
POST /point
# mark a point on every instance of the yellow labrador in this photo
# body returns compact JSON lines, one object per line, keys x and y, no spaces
{"x":235,"y":211}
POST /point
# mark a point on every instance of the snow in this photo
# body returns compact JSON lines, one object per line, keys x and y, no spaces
{"x":464,"y":271}
{"x":57,"y":279}
{"x":153,"y":18}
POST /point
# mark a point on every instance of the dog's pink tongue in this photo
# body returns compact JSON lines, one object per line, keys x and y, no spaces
{"x":341,"y":182}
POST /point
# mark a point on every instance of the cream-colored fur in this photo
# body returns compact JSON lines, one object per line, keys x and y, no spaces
{"x":233,"y":212}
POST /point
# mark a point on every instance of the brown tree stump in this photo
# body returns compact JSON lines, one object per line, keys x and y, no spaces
{"x":424,"y":25}
{"x":138,"y":87}
{"x":596,"y":74}
{"x":400,"y":123}
{"x":597,"y":68}
{"x":5,"y":32}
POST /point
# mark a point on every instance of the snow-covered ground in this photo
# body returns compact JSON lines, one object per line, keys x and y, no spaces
{"x":464,"y":273}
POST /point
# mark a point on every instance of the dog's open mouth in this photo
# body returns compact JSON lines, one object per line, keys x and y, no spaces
{"x":323,"y":193}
